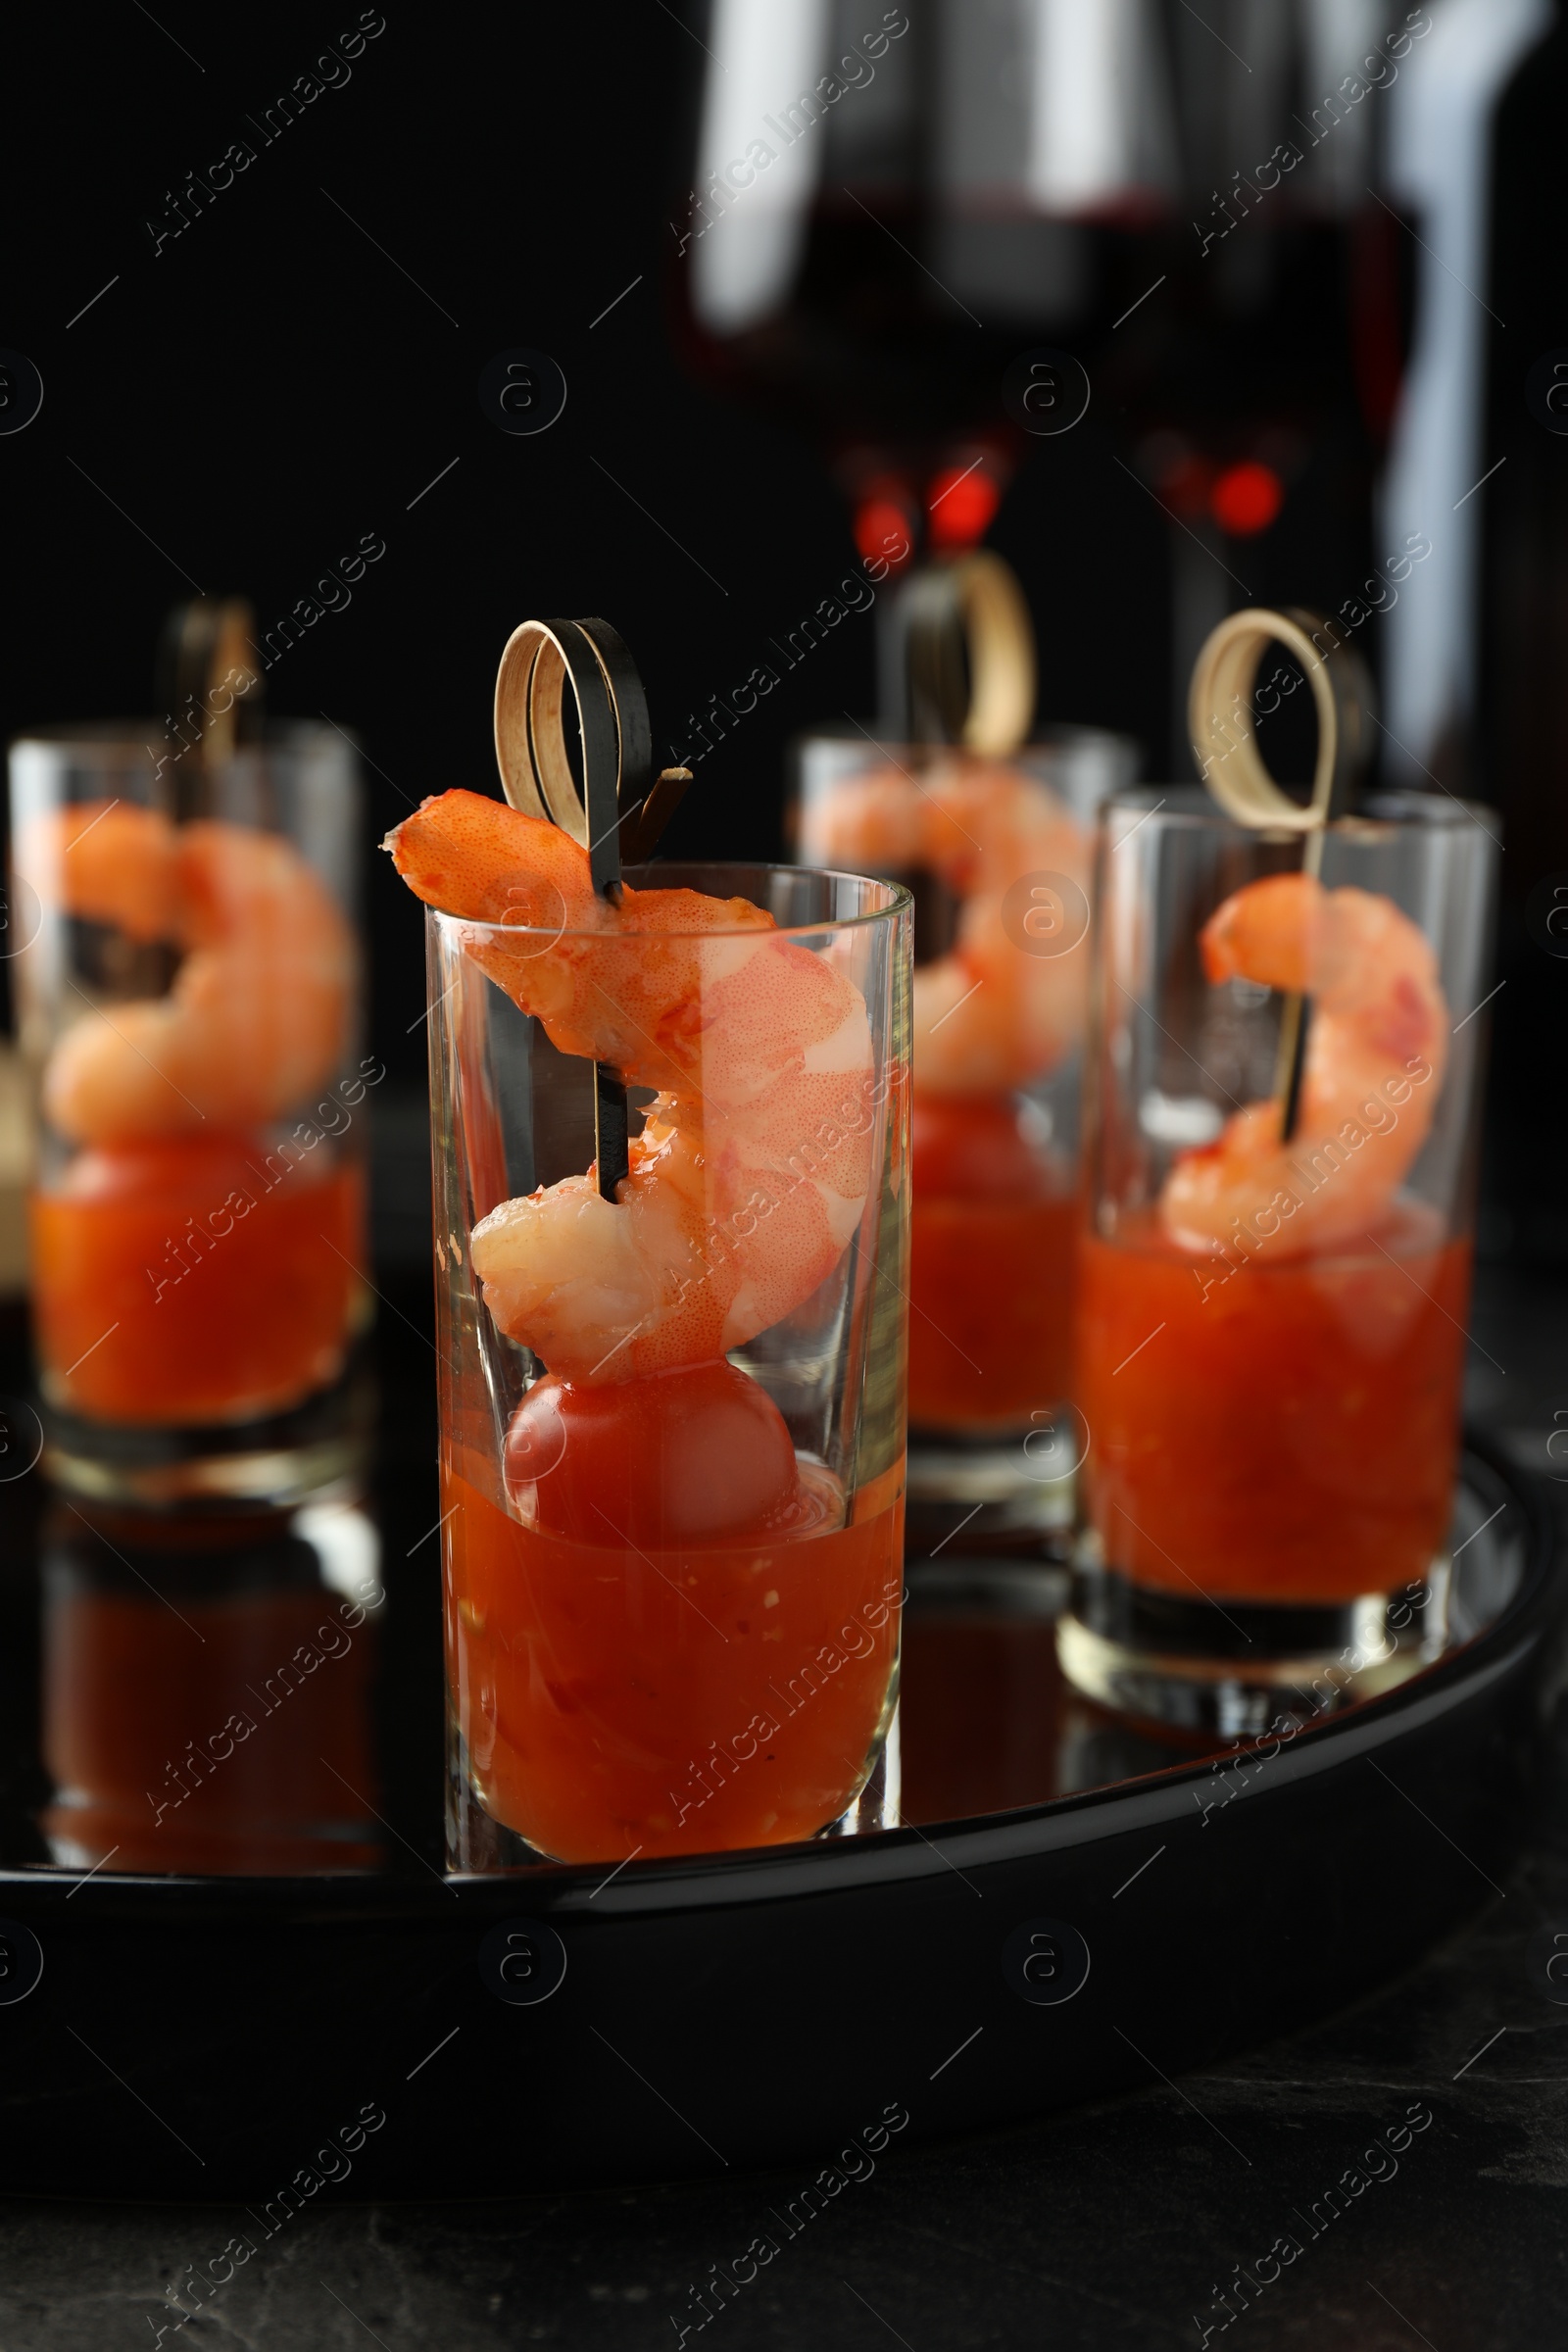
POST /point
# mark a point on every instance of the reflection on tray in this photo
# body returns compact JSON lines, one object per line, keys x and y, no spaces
{"x":987,"y":1721}
{"x":205,"y":1693}
{"x":208,"y":1701}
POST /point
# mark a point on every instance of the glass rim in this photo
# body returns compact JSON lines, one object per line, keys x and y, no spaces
{"x":138,"y":736}
{"x":898,"y":900}
{"x":1068,"y":734}
{"x":1193,"y":806}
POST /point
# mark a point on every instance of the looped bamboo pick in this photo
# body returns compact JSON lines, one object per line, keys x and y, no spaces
{"x":972,"y":655}
{"x":205,"y":647}
{"x":614,"y":815}
{"x":1219,"y":718}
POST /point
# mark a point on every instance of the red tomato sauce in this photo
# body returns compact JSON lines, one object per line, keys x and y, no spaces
{"x":1288,"y":1434}
{"x":993,"y":1240}
{"x":194,"y":1281}
{"x":661,"y":1653}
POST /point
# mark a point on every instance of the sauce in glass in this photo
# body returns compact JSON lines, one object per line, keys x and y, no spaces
{"x":670,"y":1697}
{"x":1285,"y":1434}
{"x":187,"y":1281}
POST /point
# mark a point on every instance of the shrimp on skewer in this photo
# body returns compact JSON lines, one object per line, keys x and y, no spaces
{"x":753,"y":1165}
{"x":992,"y":1215}
{"x":1376,"y":1050}
{"x":259,"y":1008}
{"x":987,"y":1017}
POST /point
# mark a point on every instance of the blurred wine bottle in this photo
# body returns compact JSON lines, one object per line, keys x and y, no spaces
{"x":891,"y":208}
{"x":1522,"y":527}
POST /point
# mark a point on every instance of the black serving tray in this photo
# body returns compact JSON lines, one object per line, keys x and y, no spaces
{"x":1078,"y":1911}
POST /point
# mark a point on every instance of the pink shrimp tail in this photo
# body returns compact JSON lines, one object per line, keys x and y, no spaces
{"x":1270,"y":932}
{"x":473,"y":856}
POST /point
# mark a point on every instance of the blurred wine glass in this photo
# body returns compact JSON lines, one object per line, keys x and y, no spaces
{"x":888,"y":208}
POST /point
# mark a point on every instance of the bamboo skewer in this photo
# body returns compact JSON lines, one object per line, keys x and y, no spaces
{"x":1219,"y":715}
{"x":203,"y":645}
{"x":957,"y":669}
{"x":970,"y":655}
{"x":617,"y":815}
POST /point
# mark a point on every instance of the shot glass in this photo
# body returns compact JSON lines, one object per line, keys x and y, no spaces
{"x":1271,"y":1329}
{"x":672,"y":1597}
{"x":189,"y":1003}
{"x":996,"y":856}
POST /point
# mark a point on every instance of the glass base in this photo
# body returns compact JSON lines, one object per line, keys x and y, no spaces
{"x":276,"y":1461}
{"x":478,"y":1844}
{"x":878,"y":1805}
{"x":993,"y":1492}
{"x":1241,"y":1670}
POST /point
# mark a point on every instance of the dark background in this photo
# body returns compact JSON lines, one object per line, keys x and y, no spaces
{"x":270,"y":386}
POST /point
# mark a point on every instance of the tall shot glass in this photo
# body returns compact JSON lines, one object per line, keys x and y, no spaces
{"x":997,"y":853}
{"x":190,"y":1003}
{"x":1272,"y":1408}
{"x":672,"y":1597}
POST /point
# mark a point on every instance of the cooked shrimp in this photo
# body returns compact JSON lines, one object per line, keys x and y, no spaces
{"x":753,"y":1167}
{"x":1375,"y":1053}
{"x":257,"y":1015}
{"x":988,"y":1017}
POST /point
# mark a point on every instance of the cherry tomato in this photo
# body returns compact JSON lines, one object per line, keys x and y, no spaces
{"x":694,"y":1456}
